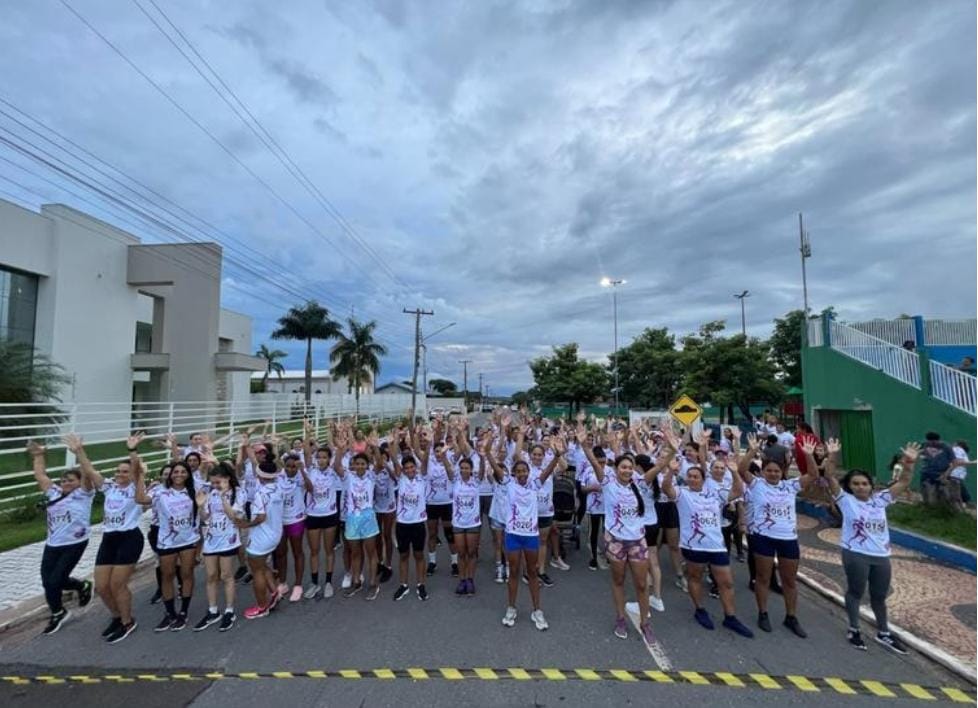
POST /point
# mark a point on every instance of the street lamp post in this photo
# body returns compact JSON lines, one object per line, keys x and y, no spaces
{"x":743,"y":311}
{"x":613,"y":284}
{"x":424,"y":354}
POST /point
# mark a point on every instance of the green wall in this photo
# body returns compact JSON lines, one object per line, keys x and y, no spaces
{"x":833,"y":381}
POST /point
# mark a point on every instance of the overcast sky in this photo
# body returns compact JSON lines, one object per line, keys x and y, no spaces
{"x":492,"y":161}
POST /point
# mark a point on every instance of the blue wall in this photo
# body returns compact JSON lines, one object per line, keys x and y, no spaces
{"x":951,"y":354}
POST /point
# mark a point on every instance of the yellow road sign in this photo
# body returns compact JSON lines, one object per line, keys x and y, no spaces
{"x":685,"y":410}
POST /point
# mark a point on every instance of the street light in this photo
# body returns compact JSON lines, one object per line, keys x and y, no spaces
{"x":424,"y":354}
{"x":743,"y":313}
{"x":613,"y":284}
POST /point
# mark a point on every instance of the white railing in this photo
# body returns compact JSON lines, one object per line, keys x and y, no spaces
{"x":892,"y":331}
{"x":816,"y":335}
{"x":104,"y":427}
{"x":954,"y":387}
{"x":949,"y":332}
{"x":892,"y":360}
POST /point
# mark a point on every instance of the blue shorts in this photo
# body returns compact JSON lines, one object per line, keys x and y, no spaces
{"x":363,"y":524}
{"x":717,"y":558}
{"x":521,"y":543}
{"x":768,"y":547}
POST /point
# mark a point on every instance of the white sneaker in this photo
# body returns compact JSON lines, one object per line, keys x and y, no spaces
{"x":602,"y":563}
{"x":559,"y":564}
{"x":631,"y":607}
{"x":656,"y":603}
{"x":500,"y":573}
{"x":509,"y":619}
{"x":539,"y":620}
{"x":328,"y":590}
{"x":347,"y":581}
{"x":682,"y":584}
{"x":311,"y":592}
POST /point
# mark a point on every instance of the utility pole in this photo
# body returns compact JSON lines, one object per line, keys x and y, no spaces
{"x":743,"y":312}
{"x":465,"y":381}
{"x":417,"y":357}
{"x":481,"y":399}
{"x":806,"y":253}
{"x":613,"y":284}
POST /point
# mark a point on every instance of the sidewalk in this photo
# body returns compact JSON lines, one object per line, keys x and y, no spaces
{"x":20,"y":568}
{"x":933,"y":601}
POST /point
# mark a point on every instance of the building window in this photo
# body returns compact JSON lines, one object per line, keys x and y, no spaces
{"x":18,"y":306}
{"x":144,"y":338}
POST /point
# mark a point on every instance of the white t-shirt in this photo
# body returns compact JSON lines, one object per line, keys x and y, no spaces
{"x":465,"y":503}
{"x":249,"y":480}
{"x":960,"y":471}
{"x":864,"y":527}
{"x":359,"y":493}
{"x":121,"y":512}
{"x":178,"y":520}
{"x":497,"y":510}
{"x":440,"y":489}
{"x":700,"y":519}
{"x":545,"y":493}
{"x":264,"y":538}
{"x":594,"y":502}
{"x":724,"y":486}
{"x":293,"y":497}
{"x":384,"y":502}
{"x":621,"y":517}
{"x":411,"y":496}
{"x":220,"y":532}
{"x":772,"y":508}
{"x":651,"y":518}
{"x":70,"y":519}
{"x":521,"y":501}
{"x":322,"y":501}
{"x":787,"y":440}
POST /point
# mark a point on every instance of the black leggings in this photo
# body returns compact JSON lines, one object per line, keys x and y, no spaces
{"x":581,"y":503}
{"x":597,"y":521}
{"x":774,"y":585}
{"x":733,"y":538}
{"x":57,"y":562}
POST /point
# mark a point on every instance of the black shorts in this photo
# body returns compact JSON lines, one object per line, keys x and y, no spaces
{"x":223,"y":554}
{"x":668,"y":515}
{"x":768,"y":547}
{"x":440,"y":512}
{"x":323,"y":522}
{"x":120,"y":547}
{"x":485,"y":503}
{"x":178,"y":549}
{"x":545,"y":522}
{"x":651,"y":535}
{"x":410,"y":537}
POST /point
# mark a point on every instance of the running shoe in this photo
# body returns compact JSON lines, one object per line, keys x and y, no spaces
{"x":165,"y":623}
{"x":157,"y":597}
{"x":764,"y":622}
{"x":113,"y":625}
{"x":422,"y":593}
{"x":526,"y":580}
{"x":401,"y":592}
{"x":353,"y":590}
{"x":602,"y":563}
{"x":792,"y":623}
{"x":121,"y":632}
{"x":621,"y":629}
{"x":246,"y":580}
{"x":856,"y":639}
{"x":735,"y":625}
{"x":431,"y":569}
{"x":714,"y":591}
{"x":227,"y":621}
{"x":296,"y":595}
{"x":274,"y":599}
{"x":57,"y":619}
{"x":372,"y":592}
{"x":179,"y":623}
{"x":312,"y":592}
{"x":240,"y":573}
{"x":386,"y":574}
{"x":206,"y":621}
{"x":499,"y":573}
{"x":648,"y":636}
{"x":460,"y":588}
{"x":539,"y":620}
{"x":592,"y":564}
{"x":509,"y":619}
{"x":85,"y":594}
{"x":255,"y":612}
{"x":454,"y":570}
{"x":347,"y":581}
{"x":681,"y":583}
{"x":545,"y":579}
{"x":751,"y":584}
{"x":283,"y":589}
{"x":471,"y":586}
{"x":703,"y":617}
{"x":559,"y":563}
{"x":656,"y":603}
{"x":327,"y":590}
{"x":891,"y":642}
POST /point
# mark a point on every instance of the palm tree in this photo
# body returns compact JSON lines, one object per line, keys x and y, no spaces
{"x":357,"y":356}
{"x":27,"y":378}
{"x":306,"y":323}
{"x":272,"y":364}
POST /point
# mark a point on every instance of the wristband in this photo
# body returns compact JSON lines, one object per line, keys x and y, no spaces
{"x":131,"y":449}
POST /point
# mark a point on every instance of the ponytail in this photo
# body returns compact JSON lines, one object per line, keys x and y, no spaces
{"x":638,"y":498}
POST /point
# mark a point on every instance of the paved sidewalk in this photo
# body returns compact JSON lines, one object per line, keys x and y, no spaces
{"x":20,"y":568}
{"x":934,"y":601}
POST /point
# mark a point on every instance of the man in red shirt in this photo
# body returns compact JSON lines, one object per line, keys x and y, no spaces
{"x":803,"y":432}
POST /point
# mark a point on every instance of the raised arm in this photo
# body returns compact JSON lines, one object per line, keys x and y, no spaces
{"x":558,"y":446}
{"x":498,"y":471}
{"x":36,"y":451}
{"x":666,"y":456}
{"x":743,"y":464}
{"x":833,"y":447}
{"x":589,"y":454}
{"x":811,"y":467}
{"x":911,"y":451}
{"x":668,"y":485}
{"x":703,"y":451}
{"x":91,"y":479}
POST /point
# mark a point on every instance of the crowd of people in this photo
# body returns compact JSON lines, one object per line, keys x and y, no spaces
{"x":646,"y":492}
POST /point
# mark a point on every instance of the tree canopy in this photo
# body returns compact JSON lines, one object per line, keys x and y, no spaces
{"x":443,"y":387}
{"x":565,"y":377}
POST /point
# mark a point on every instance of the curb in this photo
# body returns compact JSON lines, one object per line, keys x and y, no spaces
{"x":931,"y":651}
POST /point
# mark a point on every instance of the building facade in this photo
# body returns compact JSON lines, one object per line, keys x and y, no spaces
{"x":127,"y":321}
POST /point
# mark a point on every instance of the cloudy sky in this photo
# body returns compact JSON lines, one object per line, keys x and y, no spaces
{"x":491,"y":161}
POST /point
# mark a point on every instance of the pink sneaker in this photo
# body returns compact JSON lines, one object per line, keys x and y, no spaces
{"x":256,"y":612}
{"x":283,"y":589}
{"x":296,"y":594}
{"x":275,"y":598}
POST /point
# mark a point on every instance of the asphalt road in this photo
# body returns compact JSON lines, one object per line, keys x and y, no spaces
{"x":449,"y":632}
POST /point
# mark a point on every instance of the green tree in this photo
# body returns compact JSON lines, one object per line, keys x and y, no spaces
{"x":272,"y":363}
{"x":785,"y":345}
{"x":306,"y":323}
{"x":28,"y":378}
{"x":357,"y":356}
{"x":649,"y":369}
{"x":564,"y":377}
{"x":520,"y":399}
{"x":443,"y":387}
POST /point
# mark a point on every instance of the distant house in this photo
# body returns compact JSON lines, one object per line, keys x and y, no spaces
{"x":294,"y":381}
{"x":393,"y":387}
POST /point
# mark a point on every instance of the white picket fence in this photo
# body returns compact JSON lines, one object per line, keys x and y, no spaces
{"x":891,"y":331}
{"x":892,"y":360}
{"x":952,"y":386}
{"x":949,"y":332}
{"x":101,"y":423}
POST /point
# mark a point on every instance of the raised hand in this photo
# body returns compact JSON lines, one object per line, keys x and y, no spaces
{"x":753,"y":444}
{"x":911,"y":451}
{"x":201,"y":498}
{"x":132,"y":442}
{"x":808,"y":444}
{"x":833,"y":446}
{"x":704,"y":437}
{"x":72,"y":442}
{"x":34,"y":448}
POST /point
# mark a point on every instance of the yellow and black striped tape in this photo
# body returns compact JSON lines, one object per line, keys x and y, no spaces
{"x":805,"y":684}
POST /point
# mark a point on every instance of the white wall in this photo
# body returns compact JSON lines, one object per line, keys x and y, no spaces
{"x":237,"y":327}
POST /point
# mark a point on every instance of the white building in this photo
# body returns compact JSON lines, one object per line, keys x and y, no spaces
{"x":127,"y":321}
{"x":294,"y":381}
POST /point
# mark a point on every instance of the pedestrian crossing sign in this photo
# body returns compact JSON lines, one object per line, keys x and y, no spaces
{"x":685,"y":410}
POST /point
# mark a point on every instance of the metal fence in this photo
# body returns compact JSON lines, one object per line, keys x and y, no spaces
{"x":892,"y":360}
{"x":105,"y":426}
{"x":949,"y":332}
{"x":952,"y":386}
{"x":816,"y":335}
{"x":892,"y":331}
